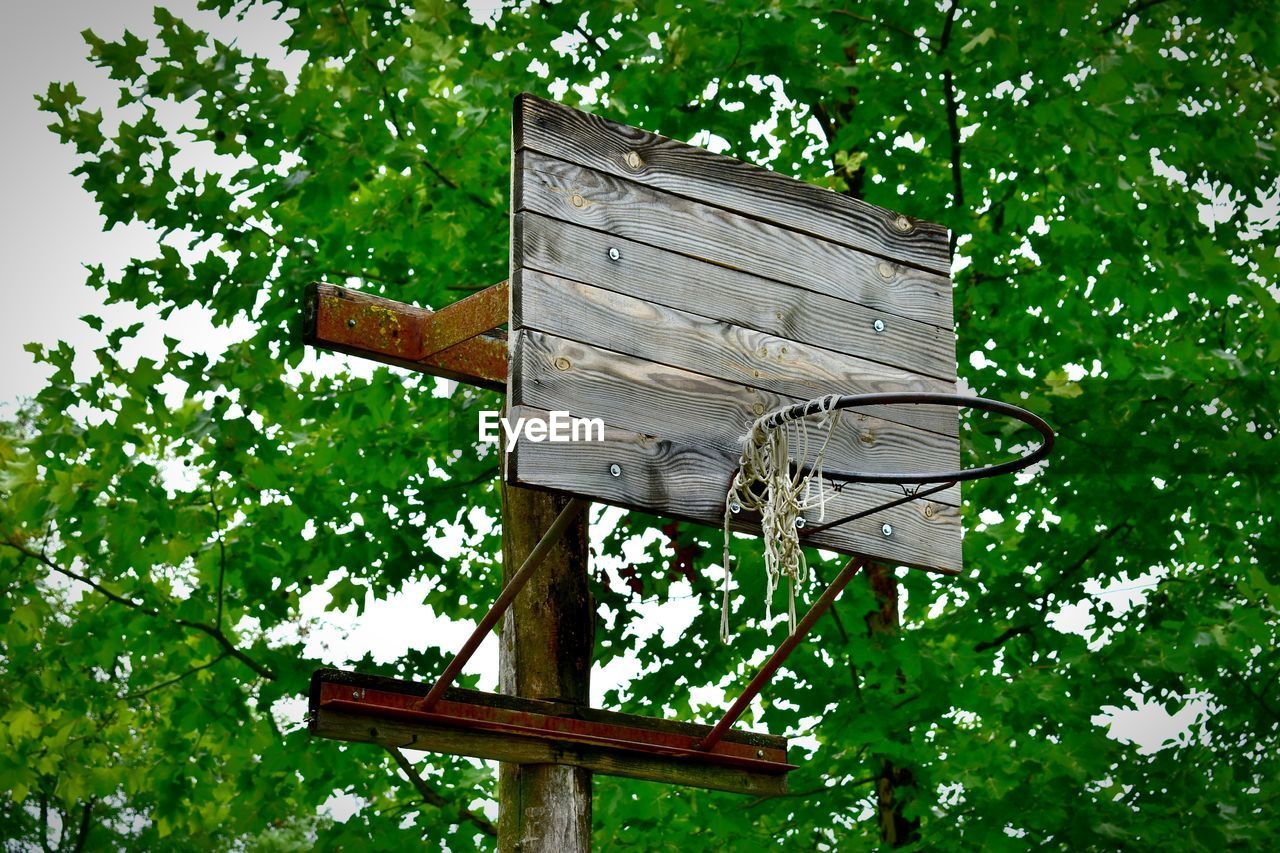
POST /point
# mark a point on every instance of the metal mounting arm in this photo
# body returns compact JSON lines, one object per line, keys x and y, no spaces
{"x":455,"y":342}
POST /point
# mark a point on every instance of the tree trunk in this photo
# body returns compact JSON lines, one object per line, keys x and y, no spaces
{"x":893,"y":783}
{"x":547,"y":640}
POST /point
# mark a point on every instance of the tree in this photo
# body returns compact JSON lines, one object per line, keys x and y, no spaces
{"x":156,"y":543}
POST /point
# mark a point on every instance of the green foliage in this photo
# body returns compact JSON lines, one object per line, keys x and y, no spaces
{"x":163,"y":518}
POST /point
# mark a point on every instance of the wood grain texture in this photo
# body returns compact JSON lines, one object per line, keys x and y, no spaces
{"x":545,"y":650}
{"x":596,"y":200}
{"x":553,"y":373}
{"x":713,"y":348}
{"x":690,"y":482}
{"x":688,"y":284}
{"x":693,"y":172}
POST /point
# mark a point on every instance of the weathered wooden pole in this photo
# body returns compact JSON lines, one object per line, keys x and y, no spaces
{"x":547,"y":641}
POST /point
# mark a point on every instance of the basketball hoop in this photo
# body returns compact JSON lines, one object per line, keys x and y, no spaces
{"x":779,"y":483}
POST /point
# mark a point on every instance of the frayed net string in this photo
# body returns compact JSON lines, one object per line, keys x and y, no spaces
{"x":764,"y":484}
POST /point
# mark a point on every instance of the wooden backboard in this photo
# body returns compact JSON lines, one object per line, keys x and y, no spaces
{"x":679,"y":294}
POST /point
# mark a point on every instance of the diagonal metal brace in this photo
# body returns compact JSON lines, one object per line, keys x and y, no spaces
{"x":766,"y":673}
{"x":575,"y":508}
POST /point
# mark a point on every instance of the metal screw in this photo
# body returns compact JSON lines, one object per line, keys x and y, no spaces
{"x":887,"y":529}
{"x":928,"y":511}
{"x":885,"y":270}
{"x":902,"y":224}
{"x":758,"y":408}
{"x":614,"y":254}
{"x":615,"y":470}
{"x":562,"y":363}
{"x":878,"y":325}
{"x":866,"y":437}
{"x":800,"y":522}
{"x":633,"y":160}
{"x":735,"y":507}
{"x":759,"y":753}
{"x":578,"y":201}
{"x":357,"y":694}
{"x":351,"y":324}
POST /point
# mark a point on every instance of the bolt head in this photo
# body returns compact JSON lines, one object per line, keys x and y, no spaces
{"x":878,"y":325}
{"x":351,"y":324}
{"x":759,"y":753}
{"x":887,"y":529}
{"x":615,"y":470}
{"x":614,"y":254}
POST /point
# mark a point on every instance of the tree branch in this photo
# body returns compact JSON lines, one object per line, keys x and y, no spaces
{"x":215,"y":633}
{"x":1131,"y":10}
{"x":222,"y":555}
{"x":82,"y":835}
{"x":922,"y":40}
{"x":1016,"y":631}
{"x":140,"y":693}
{"x":433,"y":798}
{"x":953,"y":122}
{"x":822,"y":789}
{"x":1123,"y":527}
{"x":44,"y":821}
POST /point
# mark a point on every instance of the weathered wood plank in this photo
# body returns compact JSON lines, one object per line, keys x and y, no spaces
{"x":583,"y":196}
{"x":553,"y":373}
{"x":603,"y":318}
{"x":662,"y":277}
{"x":694,"y":172}
{"x":685,"y":481}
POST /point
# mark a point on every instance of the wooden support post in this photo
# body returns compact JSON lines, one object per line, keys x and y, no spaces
{"x":546,"y":648}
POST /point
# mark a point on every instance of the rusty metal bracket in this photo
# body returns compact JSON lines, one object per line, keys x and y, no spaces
{"x":465,"y":319}
{"x":451,"y":342}
{"x":365,"y":708}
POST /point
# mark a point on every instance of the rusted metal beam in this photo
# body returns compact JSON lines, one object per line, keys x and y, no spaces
{"x":355,"y":707}
{"x":391,"y":332}
{"x":467,"y":318}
